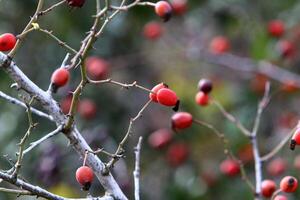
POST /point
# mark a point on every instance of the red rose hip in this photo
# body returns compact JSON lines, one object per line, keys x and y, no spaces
{"x":7,"y":42}
{"x":268,"y":187}
{"x":280,"y":197}
{"x":167,"y":97}
{"x":96,"y":68}
{"x":201,"y":98}
{"x":219,"y":45}
{"x":295,"y":139}
{"x":288,"y":184}
{"x":76,"y":3}
{"x":276,"y":28}
{"x":155,"y":89}
{"x":60,"y":78}
{"x":276,"y":167}
{"x":85,"y":176}
{"x":152,"y":30}
{"x":179,"y":6}
{"x":164,"y":10}
{"x":230,"y":167}
{"x":160,"y":138}
{"x":87,"y":109}
{"x":177,"y":154}
{"x":181,"y":120}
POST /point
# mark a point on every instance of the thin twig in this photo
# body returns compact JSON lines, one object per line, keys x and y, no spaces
{"x":136,"y":172}
{"x":278,"y":147}
{"x":38,"y":142}
{"x":51,"y":8}
{"x":227,"y":151}
{"x":23,"y":105}
{"x":231,"y":118}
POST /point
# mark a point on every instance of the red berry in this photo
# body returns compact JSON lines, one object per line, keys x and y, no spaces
{"x":164,"y":10}
{"x":60,"y":77}
{"x":268,"y":187}
{"x":219,"y":44}
{"x":155,"y":89}
{"x":230,"y":167}
{"x":286,"y":48}
{"x":245,"y":153}
{"x":87,"y":109}
{"x":202,"y":99}
{"x":276,"y":167}
{"x":276,"y":28}
{"x":167,"y":97}
{"x":177,"y":154}
{"x":205,"y":86}
{"x":288,"y":184}
{"x":85,"y":176}
{"x":76,"y":3}
{"x":97,"y":68}
{"x":179,"y":6}
{"x":160,"y":138}
{"x":280,"y":197}
{"x":152,"y":30}
{"x":295,"y":139}
{"x":65,"y":104}
{"x":7,"y":42}
{"x":182,"y":120}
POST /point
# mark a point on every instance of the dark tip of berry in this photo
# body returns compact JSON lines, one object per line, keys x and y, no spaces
{"x":291,"y":182}
{"x":86,"y":186}
{"x":292,"y":144}
{"x":167,"y":16}
{"x":166,"y":85}
{"x":53,"y":88}
{"x":176,"y":107}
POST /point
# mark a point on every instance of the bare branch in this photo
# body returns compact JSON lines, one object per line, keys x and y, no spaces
{"x":136,"y":172}
{"x":20,"y":103}
{"x":38,"y":142}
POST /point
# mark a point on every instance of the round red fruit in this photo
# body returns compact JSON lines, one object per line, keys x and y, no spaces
{"x":152,"y":30}
{"x":181,"y":120}
{"x":280,"y":197}
{"x":160,"y":138}
{"x":286,"y":48}
{"x":167,"y":97}
{"x":276,"y":167}
{"x":7,"y":42}
{"x":177,"y":154}
{"x":230,"y":167}
{"x":276,"y":28}
{"x":65,"y":104}
{"x":205,"y":86}
{"x":87,"y":109}
{"x":60,"y":77}
{"x":179,"y":6}
{"x":268,"y":187}
{"x":164,"y":10}
{"x":85,"y":176}
{"x":219,"y":44}
{"x":288,"y":184}
{"x":202,"y":99}
{"x":155,"y":89}
{"x":76,"y":3}
{"x":97,"y":68}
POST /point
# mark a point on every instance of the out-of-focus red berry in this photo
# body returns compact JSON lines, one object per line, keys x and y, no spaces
{"x":87,"y":109}
{"x":230,"y":167}
{"x":286,"y":48}
{"x":246,"y":153}
{"x":97,"y":68}
{"x":181,"y":120}
{"x":179,"y":6}
{"x":219,"y":45}
{"x":160,"y":138}
{"x":153,"y":30}
{"x":177,"y":154}
{"x":280,"y":197}
{"x":276,"y":167}
{"x":276,"y":28}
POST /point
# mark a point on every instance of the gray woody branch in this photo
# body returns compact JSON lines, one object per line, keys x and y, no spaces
{"x":75,"y":138}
